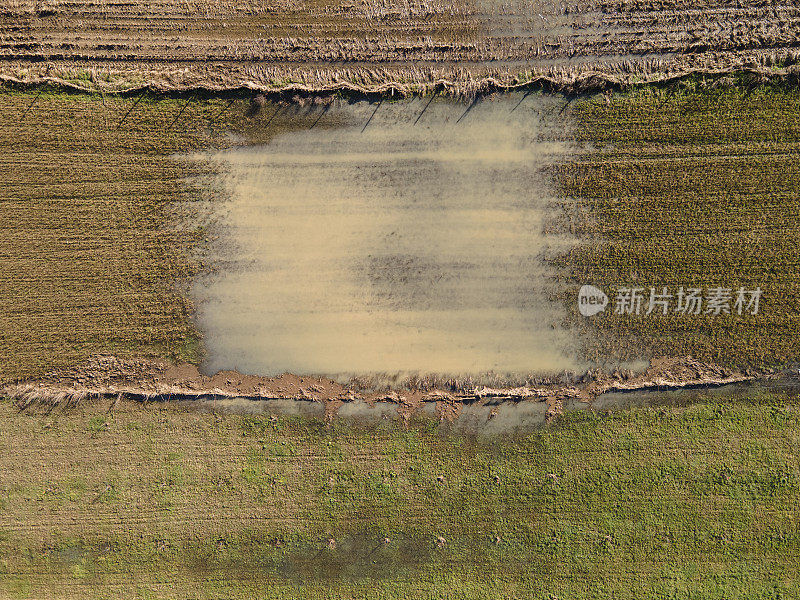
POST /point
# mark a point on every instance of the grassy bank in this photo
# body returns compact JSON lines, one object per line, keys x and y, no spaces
{"x":160,"y":502}
{"x":693,"y":187}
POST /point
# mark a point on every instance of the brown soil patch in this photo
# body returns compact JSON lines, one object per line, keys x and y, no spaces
{"x":113,"y":377}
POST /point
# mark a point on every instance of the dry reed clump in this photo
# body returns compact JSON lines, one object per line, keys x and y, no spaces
{"x":459,"y":384}
{"x":298,"y":84}
{"x":383,"y":47}
{"x":34,"y":396}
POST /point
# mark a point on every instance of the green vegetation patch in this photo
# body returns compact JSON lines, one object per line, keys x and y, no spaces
{"x":701,"y":501}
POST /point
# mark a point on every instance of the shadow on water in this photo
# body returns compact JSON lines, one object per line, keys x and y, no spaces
{"x":736,"y":392}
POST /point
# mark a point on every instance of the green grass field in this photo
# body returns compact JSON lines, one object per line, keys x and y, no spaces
{"x":156,"y":501}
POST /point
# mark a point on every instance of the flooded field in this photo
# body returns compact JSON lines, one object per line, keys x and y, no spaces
{"x":396,"y":237}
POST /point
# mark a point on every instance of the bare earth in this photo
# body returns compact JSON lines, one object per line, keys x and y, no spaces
{"x":387,"y":45}
{"x":108,"y":376}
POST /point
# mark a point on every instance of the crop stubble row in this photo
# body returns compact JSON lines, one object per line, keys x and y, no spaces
{"x":206,"y":43}
{"x":694,"y":189}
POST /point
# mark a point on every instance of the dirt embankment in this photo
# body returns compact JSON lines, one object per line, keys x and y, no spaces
{"x":152,"y":380}
{"x":384,"y":46}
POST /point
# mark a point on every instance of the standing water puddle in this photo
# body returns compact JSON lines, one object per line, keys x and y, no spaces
{"x":396,"y":241}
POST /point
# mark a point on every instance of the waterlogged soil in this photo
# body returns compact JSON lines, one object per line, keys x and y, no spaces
{"x":466,"y":404}
{"x":399,"y":240}
{"x":398,"y":237}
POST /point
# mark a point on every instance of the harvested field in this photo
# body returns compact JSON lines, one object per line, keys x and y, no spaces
{"x":153,"y":501}
{"x":87,"y":257}
{"x":693,"y":186}
{"x":377,"y":45}
{"x":106,"y":221}
{"x":94,"y":250}
{"x":289,"y":293}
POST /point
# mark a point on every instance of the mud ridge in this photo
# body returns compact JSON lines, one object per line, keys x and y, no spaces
{"x":149,"y":381}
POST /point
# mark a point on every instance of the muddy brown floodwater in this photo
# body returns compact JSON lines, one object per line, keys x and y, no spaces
{"x":391,"y":241}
